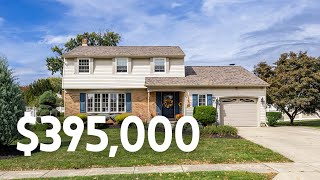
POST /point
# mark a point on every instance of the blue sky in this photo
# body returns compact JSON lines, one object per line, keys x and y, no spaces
{"x":211,"y":32}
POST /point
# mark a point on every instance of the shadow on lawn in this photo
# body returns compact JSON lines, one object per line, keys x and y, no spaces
{"x":7,"y":152}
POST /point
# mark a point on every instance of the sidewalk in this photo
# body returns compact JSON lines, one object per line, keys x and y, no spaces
{"x":285,"y":170}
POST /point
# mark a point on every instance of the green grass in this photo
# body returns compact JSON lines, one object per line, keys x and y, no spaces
{"x":311,"y":123}
{"x":192,"y":175}
{"x":209,"y":150}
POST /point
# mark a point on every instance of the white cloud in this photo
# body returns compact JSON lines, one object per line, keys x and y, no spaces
{"x":175,"y":5}
{"x":1,"y":20}
{"x":60,"y":39}
{"x":209,"y":5}
{"x":211,"y":34}
{"x":309,"y":31}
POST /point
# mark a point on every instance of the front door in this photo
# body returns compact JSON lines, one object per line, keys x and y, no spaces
{"x":168,"y":104}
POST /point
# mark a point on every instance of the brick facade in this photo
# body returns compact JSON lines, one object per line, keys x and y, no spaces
{"x":72,"y":102}
{"x":139,"y":102}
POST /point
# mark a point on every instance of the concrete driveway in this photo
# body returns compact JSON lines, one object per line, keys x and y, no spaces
{"x":300,"y":144}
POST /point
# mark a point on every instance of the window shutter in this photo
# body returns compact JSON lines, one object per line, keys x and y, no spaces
{"x":194,"y":100}
{"x":114,"y":66}
{"x":158,"y":103}
{"x":76,"y":66}
{"x":176,"y":103}
{"x":128,"y":102}
{"x":129,"y":65}
{"x":82,"y":102}
{"x":209,"y":99}
{"x":167,"y":65}
{"x":91,"y":66}
{"x":151,"y":65}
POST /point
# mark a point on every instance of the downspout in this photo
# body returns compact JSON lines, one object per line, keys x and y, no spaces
{"x":148,"y":106}
{"x":64,"y":91}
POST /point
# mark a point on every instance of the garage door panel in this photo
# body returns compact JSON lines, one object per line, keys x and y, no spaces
{"x":238,"y":113}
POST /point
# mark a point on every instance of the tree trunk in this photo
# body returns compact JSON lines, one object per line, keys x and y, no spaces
{"x":291,"y":120}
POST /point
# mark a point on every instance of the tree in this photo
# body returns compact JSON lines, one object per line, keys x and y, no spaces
{"x":38,"y":87}
{"x":108,"y":38}
{"x":11,"y":104}
{"x":294,"y":83}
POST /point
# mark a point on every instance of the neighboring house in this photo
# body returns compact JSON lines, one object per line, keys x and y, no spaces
{"x":153,"y":80}
{"x":298,"y":117}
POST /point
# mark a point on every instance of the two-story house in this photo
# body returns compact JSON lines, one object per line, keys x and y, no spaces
{"x":153,"y":80}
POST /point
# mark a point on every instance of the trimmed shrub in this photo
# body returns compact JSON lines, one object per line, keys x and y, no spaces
{"x":47,"y":105}
{"x":82,"y":116}
{"x":273,"y":117}
{"x":119,"y":118}
{"x":205,"y":114}
{"x":220,"y":131}
{"x":48,"y":98}
{"x":43,"y":112}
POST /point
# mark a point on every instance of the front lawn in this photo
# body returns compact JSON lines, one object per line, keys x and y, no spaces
{"x":192,"y":175}
{"x":209,"y":150}
{"x":311,"y":123}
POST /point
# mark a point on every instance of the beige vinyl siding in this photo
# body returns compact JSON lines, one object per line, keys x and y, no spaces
{"x":141,"y":66}
{"x":105,"y":77}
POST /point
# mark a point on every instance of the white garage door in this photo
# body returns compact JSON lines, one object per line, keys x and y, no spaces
{"x":238,"y":111}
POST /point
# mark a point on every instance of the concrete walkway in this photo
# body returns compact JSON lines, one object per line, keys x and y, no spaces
{"x":251,"y":167}
{"x":300,"y":144}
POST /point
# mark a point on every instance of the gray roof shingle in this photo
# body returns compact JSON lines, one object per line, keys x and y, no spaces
{"x":236,"y":76}
{"x":125,"y":51}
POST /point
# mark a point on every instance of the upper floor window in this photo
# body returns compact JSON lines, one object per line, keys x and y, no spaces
{"x":159,"y":65}
{"x":122,"y":64}
{"x":84,"y":66}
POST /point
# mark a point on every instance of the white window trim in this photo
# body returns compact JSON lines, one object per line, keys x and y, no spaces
{"x":116,"y":68}
{"x":78,"y":69}
{"x":109,"y":103}
{"x":206,"y":100}
{"x":165,"y":65}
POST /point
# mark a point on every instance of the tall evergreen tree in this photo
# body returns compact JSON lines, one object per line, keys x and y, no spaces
{"x":11,"y":104}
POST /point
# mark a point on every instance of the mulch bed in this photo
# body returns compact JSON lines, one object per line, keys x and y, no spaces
{"x":11,"y":151}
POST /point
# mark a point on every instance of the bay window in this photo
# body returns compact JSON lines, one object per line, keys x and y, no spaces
{"x":113,"y":102}
{"x":121,"y":102}
{"x":97,"y":103}
{"x":90,"y":102}
{"x":106,"y":102}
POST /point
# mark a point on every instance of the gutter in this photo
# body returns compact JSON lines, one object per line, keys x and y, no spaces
{"x":218,"y":85}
